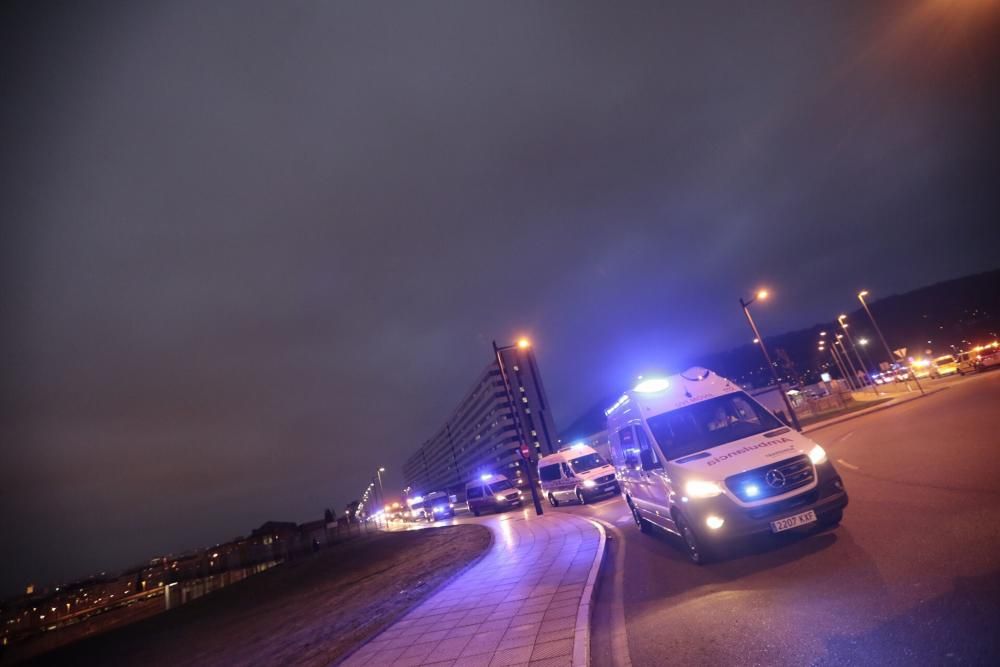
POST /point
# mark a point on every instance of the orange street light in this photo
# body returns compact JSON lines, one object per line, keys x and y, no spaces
{"x":757,"y":339}
{"x":523,"y":343}
{"x":888,"y":352}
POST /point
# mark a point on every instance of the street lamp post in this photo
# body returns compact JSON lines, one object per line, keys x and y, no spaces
{"x":839,"y":340}
{"x":836,"y":361}
{"x":861,"y":363}
{"x":522,"y":441}
{"x":861,"y":297}
{"x":762,"y":294}
{"x":863,"y":349}
{"x":381,"y":489}
{"x":841,"y":366}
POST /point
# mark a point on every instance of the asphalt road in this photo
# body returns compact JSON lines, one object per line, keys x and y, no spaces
{"x":911,"y":576}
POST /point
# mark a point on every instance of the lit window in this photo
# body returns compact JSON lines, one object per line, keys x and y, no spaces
{"x":524,"y":399}
{"x":534,"y":433}
{"x":516,"y":368}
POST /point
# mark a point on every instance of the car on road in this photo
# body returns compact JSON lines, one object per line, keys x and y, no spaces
{"x":698,"y":457}
{"x":576,"y":473}
{"x":492,"y":493}
{"x":944,"y":365}
{"x":431,"y":507}
{"x":989,"y":356}
{"x":979,"y":358}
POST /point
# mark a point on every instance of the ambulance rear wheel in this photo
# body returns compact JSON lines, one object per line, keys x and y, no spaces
{"x":553,"y":501}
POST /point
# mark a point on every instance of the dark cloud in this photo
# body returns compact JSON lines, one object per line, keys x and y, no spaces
{"x":257,"y":250}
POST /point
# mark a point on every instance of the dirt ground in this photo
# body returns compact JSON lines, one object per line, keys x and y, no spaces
{"x":308,"y":612}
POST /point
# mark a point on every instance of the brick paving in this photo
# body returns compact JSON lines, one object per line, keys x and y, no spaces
{"x":519,"y":605}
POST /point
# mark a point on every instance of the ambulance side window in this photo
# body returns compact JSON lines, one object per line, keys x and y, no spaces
{"x":549,"y":473}
{"x":475,"y":492}
{"x":630,"y":453}
{"x":650,"y":461}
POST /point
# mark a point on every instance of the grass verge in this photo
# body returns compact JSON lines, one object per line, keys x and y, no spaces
{"x":308,"y":612}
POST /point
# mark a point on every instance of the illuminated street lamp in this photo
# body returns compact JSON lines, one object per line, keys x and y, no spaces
{"x":843,"y":325}
{"x":523,"y":344}
{"x":836,"y":360}
{"x":861,"y":297}
{"x":378,"y":474}
{"x":762,"y":295}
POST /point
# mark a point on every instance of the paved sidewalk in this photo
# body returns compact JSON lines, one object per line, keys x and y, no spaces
{"x":526,"y":602}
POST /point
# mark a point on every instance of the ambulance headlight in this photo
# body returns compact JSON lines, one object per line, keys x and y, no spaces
{"x":500,"y":497}
{"x":589,"y":483}
{"x":817,"y":455}
{"x":697,"y":488}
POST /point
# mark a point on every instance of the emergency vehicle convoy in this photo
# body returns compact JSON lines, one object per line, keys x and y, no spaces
{"x":492,"y":493}
{"x":696,"y":456}
{"x":576,"y":473}
{"x":435,"y":505}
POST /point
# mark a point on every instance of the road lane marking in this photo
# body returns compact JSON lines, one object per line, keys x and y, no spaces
{"x":848,"y":465}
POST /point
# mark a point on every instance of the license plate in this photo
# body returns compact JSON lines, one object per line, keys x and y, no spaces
{"x":793,"y":521}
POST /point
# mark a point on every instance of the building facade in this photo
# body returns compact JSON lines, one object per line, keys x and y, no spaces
{"x":480,"y":436}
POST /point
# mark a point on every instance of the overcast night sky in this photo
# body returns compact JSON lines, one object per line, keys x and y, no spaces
{"x":251,"y":252}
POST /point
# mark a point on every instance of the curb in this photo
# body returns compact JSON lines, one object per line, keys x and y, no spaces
{"x":867,"y":411}
{"x":581,"y":634}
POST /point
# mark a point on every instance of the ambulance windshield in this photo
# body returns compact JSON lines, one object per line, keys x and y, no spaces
{"x":710,"y":423}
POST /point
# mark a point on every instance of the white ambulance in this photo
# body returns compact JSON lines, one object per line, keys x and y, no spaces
{"x":698,"y":457}
{"x":576,"y":473}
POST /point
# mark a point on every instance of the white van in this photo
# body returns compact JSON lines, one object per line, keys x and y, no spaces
{"x":698,"y":457}
{"x":576,"y":473}
{"x":492,"y":492}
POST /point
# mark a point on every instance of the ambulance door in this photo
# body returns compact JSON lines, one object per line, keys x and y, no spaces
{"x":634,"y":478}
{"x":658,"y":486}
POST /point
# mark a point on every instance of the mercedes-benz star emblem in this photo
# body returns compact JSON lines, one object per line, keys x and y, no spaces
{"x":775,"y":478}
